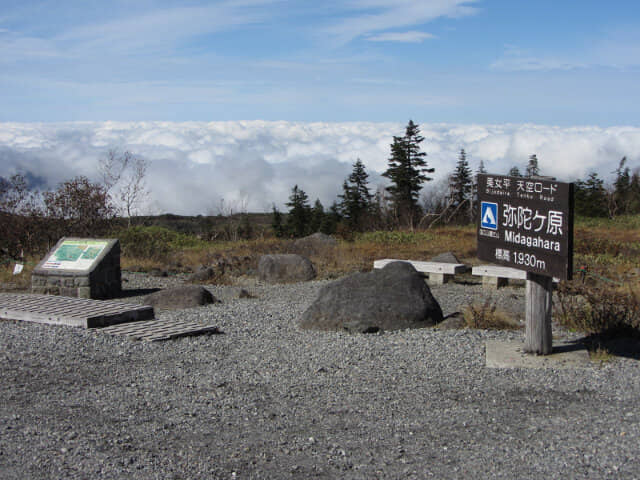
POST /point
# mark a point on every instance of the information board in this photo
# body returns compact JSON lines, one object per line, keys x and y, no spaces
{"x":75,"y":254}
{"x":526,"y":223}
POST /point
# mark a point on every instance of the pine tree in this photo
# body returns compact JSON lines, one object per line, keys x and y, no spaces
{"x":406,"y":171}
{"x":331,"y":219}
{"x":317,"y":217}
{"x":621,"y":188}
{"x":276,"y":223}
{"x":590,"y":197}
{"x":533,"y":170}
{"x":481,"y":169}
{"x":297,"y":224}
{"x":460,"y":184}
{"x":356,"y":199}
{"x":634,"y":192}
{"x":474,"y":190}
{"x":514,"y":172}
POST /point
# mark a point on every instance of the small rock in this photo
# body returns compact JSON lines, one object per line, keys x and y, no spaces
{"x":447,"y":257}
{"x":455,"y":321}
{"x":177,"y":298}
{"x":285,"y":268}
{"x":204,"y":273}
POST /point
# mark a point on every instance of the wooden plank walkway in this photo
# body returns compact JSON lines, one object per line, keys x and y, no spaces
{"x":75,"y":312}
{"x":156,"y":330}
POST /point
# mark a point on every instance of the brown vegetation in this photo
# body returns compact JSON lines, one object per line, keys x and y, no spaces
{"x":487,"y":316}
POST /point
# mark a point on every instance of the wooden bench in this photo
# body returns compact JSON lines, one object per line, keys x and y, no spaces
{"x":494,"y":276}
{"x":438,"y":273}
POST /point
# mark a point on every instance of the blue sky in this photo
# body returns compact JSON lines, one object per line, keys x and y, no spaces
{"x":555,"y":63}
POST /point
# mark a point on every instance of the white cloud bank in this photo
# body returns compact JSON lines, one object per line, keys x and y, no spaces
{"x":254,"y":164}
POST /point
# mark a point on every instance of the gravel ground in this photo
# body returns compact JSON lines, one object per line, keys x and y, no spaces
{"x":267,"y":400}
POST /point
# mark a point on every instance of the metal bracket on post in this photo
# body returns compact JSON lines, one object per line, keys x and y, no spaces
{"x":538,"y":338}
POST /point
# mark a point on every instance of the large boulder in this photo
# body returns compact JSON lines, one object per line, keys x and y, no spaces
{"x":177,"y":298}
{"x":392,"y":298}
{"x":284,"y":268}
{"x":314,"y":244}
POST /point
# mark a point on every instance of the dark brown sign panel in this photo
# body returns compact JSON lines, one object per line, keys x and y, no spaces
{"x":526,"y":223}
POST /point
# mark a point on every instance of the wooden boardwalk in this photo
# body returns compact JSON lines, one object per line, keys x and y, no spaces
{"x":116,"y":318}
{"x":156,"y":330}
{"x":75,"y":312}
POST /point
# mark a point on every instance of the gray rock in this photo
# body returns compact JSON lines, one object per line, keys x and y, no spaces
{"x":285,"y":268}
{"x":158,"y":272}
{"x":455,"y":321}
{"x":176,"y":298}
{"x":393,"y":298}
{"x":204,"y":273}
{"x":244,"y":294}
{"x":447,"y":257}
{"x":314,"y":244}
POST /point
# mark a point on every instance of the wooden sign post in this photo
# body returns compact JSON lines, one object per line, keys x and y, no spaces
{"x":527,"y":223}
{"x":537,"y":335}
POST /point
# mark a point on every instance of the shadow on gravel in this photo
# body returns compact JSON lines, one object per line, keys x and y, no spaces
{"x":573,"y":346}
{"x":137,"y":292}
{"x":619,"y":346}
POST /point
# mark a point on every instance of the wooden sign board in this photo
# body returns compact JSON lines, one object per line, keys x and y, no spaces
{"x":526,"y":223}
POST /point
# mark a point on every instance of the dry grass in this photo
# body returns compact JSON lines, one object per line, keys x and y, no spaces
{"x":21,"y":281}
{"x":599,"y":309}
{"x":609,"y":249}
{"x":486,"y":316}
{"x":347,"y":257}
{"x":601,"y":354}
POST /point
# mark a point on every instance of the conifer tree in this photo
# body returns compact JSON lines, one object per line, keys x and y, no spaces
{"x":276,"y":223}
{"x":533,"y":170}
{"x":460,"y":185}
{"x":356,"y":199}
{"x":474,"y":190}
{"x":634,"y":192}
{"x":317,"y":217}
{"x":331,"y":219}
{"x":514,"y":172}
{"x":297,"y":224}
{"x":461,"y":190}
{"x":407,"y":169}
{"x":621,"y":189}
{"x":590,"y":197}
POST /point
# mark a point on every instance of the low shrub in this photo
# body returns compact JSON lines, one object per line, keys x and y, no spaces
{"x":487,"y":316}
{"x":599,"y":309}
{"x":154,"y":243}
{"x":396,"y":237}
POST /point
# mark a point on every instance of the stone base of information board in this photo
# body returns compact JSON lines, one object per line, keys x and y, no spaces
{"x":102,"y":281}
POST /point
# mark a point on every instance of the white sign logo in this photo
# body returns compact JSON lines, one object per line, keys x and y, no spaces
{"x":489,"y":215}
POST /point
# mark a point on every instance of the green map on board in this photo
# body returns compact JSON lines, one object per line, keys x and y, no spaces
{"x":69,"y":253}
{"x":91,"y":253}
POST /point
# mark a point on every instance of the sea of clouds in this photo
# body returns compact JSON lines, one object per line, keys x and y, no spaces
{"x":206,"y":168}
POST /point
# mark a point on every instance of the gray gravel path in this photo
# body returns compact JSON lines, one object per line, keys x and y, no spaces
{"x":267,"y":400}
